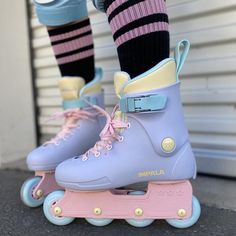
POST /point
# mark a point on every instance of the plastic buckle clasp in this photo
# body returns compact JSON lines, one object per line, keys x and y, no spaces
{"x":147,"y":103}
{"x":137,"y":105}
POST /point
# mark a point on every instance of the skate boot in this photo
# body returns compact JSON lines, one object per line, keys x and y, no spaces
{"x":80,"y":131}
{"x":144,"y":140}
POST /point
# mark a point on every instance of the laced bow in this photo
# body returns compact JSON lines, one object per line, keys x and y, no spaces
{"x":109,"y":133}
{"x":70,"y":116}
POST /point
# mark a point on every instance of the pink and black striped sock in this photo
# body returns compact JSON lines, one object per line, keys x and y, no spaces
{"x":74,"y":50}
{"x":140,"y":32}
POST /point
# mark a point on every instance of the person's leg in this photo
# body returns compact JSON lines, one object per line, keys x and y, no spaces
{"x":70,"y":35}
{"x":71,"y":38}
{"x":140,"y":32}
{"x":74,"y":49}
{"x":141,"y":141}
{"x":72,"y":42}
{"x":145,"y":139}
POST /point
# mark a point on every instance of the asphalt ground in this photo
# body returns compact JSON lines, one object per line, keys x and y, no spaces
{"x":17,"y":219}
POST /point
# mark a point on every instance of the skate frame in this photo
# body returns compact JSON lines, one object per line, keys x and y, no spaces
{"x":162,"y":200}
{"x":46,"y":185}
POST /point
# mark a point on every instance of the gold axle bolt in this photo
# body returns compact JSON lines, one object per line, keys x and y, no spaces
{"x":39,"y":193}
{"x":97,"y":211}
{"x":138,"y":212}
{"x":57,"y":211}
{"x":182,"y":213}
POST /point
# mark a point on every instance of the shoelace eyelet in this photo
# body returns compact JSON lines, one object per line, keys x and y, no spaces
{"x":97,"y":154}
{"x":121,"y":139}
{"x":128,"y":125}
{"x":109,"y":147}
{"x":84,"y":158}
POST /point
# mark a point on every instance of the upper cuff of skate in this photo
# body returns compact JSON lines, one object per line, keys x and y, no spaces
{"x":60,"y":12}
{"x":80,"y":103}
{"x":148,"y":103}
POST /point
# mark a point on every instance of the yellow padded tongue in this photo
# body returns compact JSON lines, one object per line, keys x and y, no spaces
{"x":120,"y":78}
{"x":70,"y":87}
{"x":94,"y":88}
{"x":160,"y":76}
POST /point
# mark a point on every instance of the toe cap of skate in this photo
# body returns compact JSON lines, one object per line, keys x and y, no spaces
{"x":40,"y":159}
{"x":72,"y":175}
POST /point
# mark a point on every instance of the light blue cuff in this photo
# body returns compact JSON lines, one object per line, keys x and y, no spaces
{"x":80,"y":103}
{"x":61,"y":12}
{"x":149,"y":103}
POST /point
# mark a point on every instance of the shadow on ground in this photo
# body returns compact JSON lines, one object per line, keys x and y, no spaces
{"x":17,"y":219}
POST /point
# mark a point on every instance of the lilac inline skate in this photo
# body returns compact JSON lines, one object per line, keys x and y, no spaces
{"x":144,"y":140}
{"x":80,"y":131}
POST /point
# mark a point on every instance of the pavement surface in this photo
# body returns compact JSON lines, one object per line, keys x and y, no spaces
{"x":17,"y":219}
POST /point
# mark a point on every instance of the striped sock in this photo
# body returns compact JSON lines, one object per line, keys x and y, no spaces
{"x":74,"y":50}
{"x":140,"y":32}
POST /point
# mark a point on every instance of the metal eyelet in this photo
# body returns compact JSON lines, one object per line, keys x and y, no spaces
{"x":128,"y":125}
{"x":97,"y":154}
{"x":109,"y":147}
{"x":121,"y":139}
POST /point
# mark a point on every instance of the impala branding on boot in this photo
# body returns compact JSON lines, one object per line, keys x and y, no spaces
{"x":151,"y":173}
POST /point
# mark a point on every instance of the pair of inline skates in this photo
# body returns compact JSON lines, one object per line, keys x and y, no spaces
{"x":144,"y":140}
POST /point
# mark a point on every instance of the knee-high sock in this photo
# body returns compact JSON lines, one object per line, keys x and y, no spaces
{"x":140,"y":32}
{"x":74,"y":49}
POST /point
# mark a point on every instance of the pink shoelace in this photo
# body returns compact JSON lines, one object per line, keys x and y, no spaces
{"x":71,"y":117}
{"x":109,"y":133}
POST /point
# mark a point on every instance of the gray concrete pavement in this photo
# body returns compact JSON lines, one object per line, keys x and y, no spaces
{"x":17,"y":219}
